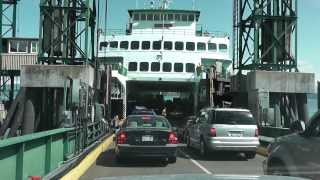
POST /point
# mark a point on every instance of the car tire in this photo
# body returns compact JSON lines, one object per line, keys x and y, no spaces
{"x":203,"y":148}
{"x":250,"y":155}
{"x":172,"y":159}
{"x":278,"y":169}
{"x":119,"y":159}
{"x":164,"y":162}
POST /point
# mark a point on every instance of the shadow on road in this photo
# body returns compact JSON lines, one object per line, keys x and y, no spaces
{"x":213,"y":156}
{"x":108,"y":159}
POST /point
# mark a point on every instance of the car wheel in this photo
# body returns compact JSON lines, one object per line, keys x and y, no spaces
{"x":172,"y":159}
{"x":164,"y":162}
{"x":119,"y":159}
{"x":250,"y":155}
{"x":278,"y":169}
{"x":203,"y":148}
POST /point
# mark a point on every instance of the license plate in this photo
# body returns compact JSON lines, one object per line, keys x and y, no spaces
{"x":147,"y":138}
{"x":236,"y":135}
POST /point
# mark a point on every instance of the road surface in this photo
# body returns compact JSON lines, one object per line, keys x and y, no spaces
{"x":188,"y":161}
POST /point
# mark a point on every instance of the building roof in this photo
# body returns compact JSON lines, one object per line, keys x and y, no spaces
{"x":20,"y":38}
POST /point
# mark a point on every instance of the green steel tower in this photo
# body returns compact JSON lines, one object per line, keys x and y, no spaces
{"x":67,"y":31}
{"x":8,"y":28}
{"x":265,"y":35}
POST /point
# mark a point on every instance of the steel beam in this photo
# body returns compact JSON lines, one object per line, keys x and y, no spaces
{"x":265,"y":34}
{"x":65,"y":31}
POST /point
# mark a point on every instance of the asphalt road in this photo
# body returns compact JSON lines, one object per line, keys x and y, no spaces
{"x":188,"y":161}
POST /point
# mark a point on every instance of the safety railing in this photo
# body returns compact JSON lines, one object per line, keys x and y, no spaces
{"x":36,"y":154}
{"x":186,"y":32}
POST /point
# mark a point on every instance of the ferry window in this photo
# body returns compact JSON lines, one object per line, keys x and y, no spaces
{"x":23,"y":46}
{"x":19,"y":46}
{"x":178,"y":45}
{"x":177,"y":17}
{"x":191,"y":17}
{"x":150,"y":17}
{"x":13,"y":46}
{"x":190,"y":67}
{"x":168,"y":45}
{"x":212,"y":46}
{"x":190,"y":46}
{"x":134,"y":45}
{"x":184,"y":17}
{"x":170,"y":17}
{"x":155,"y":66}
{"x":103,"y":45}
{"x":34,"y":47}
{"x":145,"y":45}
{"x":223,"y":47}
{"x":178,"y":67}
{"x":114,"y":45}
{"x":156,"y":17}
{"x":201,"y":46}
{"x":132,"y":66}
{"x":144,"y":66}
{"x":166,"y":67}
{"x":124,"y":45}
{"x":156,"y":45}
{"x":136,"y":17}
{"x":143,"y":17}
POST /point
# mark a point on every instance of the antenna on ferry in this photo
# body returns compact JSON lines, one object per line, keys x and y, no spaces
{"x":194,"y":4}
{"x":137,"y":4}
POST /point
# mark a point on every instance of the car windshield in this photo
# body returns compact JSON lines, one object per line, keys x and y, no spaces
{"x":234,"y":117}
{"x":146,"y":122}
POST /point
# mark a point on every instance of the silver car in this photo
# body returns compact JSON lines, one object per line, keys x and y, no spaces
{"x":224,"y":129}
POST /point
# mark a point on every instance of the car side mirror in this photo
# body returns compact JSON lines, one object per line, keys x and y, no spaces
{"x":297,"y":126}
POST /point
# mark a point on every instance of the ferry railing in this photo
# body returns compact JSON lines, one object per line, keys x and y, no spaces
{"x":185,"y":32}
{"x":36,"y":154}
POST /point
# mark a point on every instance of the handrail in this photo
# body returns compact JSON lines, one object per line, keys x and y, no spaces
{"x":33,"y":136}
{"x":199,"y":33}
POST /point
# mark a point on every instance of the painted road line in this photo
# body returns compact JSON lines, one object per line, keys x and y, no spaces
{"x":195,"y":162}
{"x":84,"y":165}
{"x":262,"y":151}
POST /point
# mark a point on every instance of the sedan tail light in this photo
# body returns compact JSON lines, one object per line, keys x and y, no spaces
{"x":213,"y":132}
{"x":172,"y":139}
{"x":256,"y":134}
{"x":122,"y":138}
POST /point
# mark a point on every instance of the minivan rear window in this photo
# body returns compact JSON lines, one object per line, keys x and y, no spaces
{"x":234,"y":118}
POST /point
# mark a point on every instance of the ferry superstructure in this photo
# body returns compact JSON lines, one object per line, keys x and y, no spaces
{"x":162,"y":57}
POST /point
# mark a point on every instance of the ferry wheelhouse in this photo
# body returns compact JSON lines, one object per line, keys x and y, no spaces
{"x":162,"y":59}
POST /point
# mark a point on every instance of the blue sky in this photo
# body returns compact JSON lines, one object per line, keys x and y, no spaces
{"x":216,"y":16}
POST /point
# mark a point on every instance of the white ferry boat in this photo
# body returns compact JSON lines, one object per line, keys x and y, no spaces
{"x":161,"y":60}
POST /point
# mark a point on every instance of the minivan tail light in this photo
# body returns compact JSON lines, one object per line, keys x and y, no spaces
{"x":213,"y":132}
{"x":172,"y":139}
{"x":122,"y":138}
{"x":256,"y":134}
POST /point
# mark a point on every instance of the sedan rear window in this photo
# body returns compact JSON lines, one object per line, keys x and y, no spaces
{"x":234,"y":117}
{"x":147,"y":122}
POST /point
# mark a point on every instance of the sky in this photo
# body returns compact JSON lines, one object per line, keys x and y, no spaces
{"x":216,"y":15}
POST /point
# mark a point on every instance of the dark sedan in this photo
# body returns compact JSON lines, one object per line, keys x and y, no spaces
{"x":146,"y":136}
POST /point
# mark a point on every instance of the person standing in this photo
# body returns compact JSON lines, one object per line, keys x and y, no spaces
{"x":164,"y":112}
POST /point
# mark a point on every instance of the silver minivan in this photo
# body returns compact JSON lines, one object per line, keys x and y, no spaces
{"x":224,"y":129}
